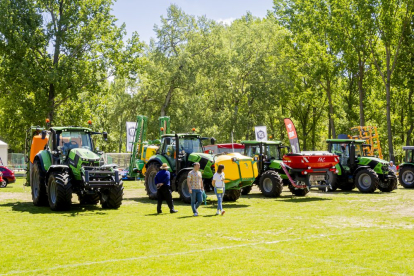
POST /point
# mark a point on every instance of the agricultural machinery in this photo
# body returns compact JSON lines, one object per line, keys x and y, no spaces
{"x":181,"y":151}
{"x":406,"y":170}
{"x":367,"y":173}
{"x":62,"y":161}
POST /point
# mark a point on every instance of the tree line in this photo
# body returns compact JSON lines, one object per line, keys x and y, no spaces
{"x":328,"y":64}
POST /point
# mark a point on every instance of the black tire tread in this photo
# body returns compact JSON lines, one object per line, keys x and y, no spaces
{"x":41,"y":200}
{"x":64,"y":191}
{"x":89,"y":199}
{"x":374,"y":177}
{"x":181,"y":181}
{"x":231,"y":195}
{"x":402,"y":170}
{"x":246,"y":190}
{"x":391,"y":186}
{"x":151,"y":167}
{"x":115,"y":197}
{"x":298,"y":192}
{"x":276,"y":181}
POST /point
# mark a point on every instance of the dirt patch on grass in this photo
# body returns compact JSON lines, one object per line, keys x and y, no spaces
{"x":18,"y":196}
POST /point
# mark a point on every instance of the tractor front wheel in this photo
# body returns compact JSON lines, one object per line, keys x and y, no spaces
{"x":185,"y":195}
{"x":112,"y":198}
{"x":89,"y":199}
{"x":271,"y":184}
{"x":246,"y":190}
{"x":366,"y":180}
{"x":231,"y":195}
{"x":150,"y":185}
{"x":407,"y":177}
{"x":59,"y":191}
{"x":390,"y":185}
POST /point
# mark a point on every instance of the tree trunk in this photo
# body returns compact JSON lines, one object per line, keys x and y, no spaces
{"x":390,"y":138}
{"x":361,"y":91}
{"x":313,"y":127}
{"x":331,"y":111}
{"x":410,"y":117}
{"x":167,"y":101}
{"x":120,"y":136}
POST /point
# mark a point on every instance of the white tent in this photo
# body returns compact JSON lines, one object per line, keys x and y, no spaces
{"x":3,"y":153}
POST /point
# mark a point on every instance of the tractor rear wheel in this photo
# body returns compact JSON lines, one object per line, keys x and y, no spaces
{"x":407,"y":177}
{"x":38,"y":185}
{"x":231,"y":195}
{"x":389,"y":186}
{"x":298,"y":192}
{"x":366,"y":180}
{"x":271,"y":184}
{"x":185,"y":195}
{"x":89,"y":199}
{"x":150,"y":185}
{"x":59,"y":191}
{"x":112,"y":198}
{"x":246,"y":190}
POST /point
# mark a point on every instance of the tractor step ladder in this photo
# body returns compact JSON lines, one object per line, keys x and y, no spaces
{"x":370,"y":135}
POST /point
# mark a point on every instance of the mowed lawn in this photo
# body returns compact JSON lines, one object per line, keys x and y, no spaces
{"x":340,"y":233}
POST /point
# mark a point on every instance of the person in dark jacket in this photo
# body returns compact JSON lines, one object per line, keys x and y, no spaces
{"x":162,"y":180}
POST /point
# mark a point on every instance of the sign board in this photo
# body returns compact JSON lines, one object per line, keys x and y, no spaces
{"x":261,"y":133}
{"x":293,"y":137}
{"x":131,"y":129}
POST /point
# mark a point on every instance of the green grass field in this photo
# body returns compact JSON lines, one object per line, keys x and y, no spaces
{"x":341,"y":233}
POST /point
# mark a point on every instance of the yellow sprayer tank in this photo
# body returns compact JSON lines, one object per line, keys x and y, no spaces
{"x":240,"y":170}
{"x":147,"y":152}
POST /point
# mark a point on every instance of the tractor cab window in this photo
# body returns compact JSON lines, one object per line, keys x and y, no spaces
{"x":409,"y":156}
{"x":252,"y":150}
{"x":168,"y":147}
{"x":342,"y":150}
{"x":271,"y":152}
{"x":359,"y":151}
{"x":190,"y":145}
{"x":68,"y":140}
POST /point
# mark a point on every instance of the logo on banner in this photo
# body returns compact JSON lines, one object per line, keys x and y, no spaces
{"x":261,"y":133}
{"x":131,"y":129}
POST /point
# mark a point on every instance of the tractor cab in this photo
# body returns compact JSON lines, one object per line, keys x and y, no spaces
{"x":409,"y":154}
{"x":406,"y":169}
{"x":265,"y":152}
{"x":348,"y":150}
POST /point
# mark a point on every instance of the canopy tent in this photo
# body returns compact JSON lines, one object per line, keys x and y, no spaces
{"x":3,"y":153}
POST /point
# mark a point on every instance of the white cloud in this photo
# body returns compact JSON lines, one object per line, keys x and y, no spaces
{"x":226,"y":21}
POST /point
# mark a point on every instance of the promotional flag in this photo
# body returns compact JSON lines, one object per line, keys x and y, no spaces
{"x":293,"y":137}
{"x":131,"y":129}
{"x":261,"y":133}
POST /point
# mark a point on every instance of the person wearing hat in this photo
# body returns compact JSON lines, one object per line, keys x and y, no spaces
{"x":162,"y":179}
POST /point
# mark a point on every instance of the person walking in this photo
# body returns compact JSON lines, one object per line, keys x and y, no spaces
{"x":392,"y":167}
{"x":195,"y":187}
{"x":219,"y":188}
{"x":162,"y":180}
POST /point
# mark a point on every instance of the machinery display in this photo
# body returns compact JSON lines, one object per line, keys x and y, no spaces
{"x":406,"y":169}
{"x":181,"y":151}
{"x":62,"y":161}
{"x":355,"y":169}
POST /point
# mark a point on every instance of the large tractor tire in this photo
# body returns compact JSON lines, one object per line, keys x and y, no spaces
{"x":59,"y":191}
{"x":231,"y":195}
{"x":89,"y":199}
{"x":185,"y":195}
{"x":298,"y":192}
{"x":366,"y":180}
{"x":150,"y":185}
{"x":38,"y":185}
{"x":112,"y":198}
{"x":389,"y":186}
{"x":246,"y":190}
{"x":332,"y":178}
{"x":407,"y":177}
{"x":346,"y":186}
{"x":271,"y":184}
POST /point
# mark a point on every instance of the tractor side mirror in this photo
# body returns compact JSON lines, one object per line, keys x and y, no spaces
{"x":43,"y":134}
{"x":105,"y":135}
{"x":352,"y":154}
{"x":212,"y":141}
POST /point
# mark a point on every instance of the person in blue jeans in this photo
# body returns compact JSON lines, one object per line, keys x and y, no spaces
{"x":195,"y":187}
{"x":219,"y":188}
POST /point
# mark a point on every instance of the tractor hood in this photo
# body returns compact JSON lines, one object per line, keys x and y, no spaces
{"x":195,"y":157}
{"x":364,"y":160}
{"x":85,"y":154}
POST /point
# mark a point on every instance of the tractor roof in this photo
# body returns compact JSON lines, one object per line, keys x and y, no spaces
{"x":408,"y":148}
{"x":254,"y":142}
{"x":71,"y":128}
{"x":182,"y":135}
{"x":345,"y":141}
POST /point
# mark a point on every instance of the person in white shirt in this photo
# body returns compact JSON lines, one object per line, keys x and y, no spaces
{"x":392,"y":167}
{"x":219,"y":188}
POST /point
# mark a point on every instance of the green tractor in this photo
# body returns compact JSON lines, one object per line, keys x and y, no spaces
{"x":180,"y":152}
{"x":63,"y":161}
{"x":271,"y":176}
{"x":367,"y":173}
{"x":406,"y":170}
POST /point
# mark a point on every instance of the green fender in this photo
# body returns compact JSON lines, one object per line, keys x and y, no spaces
{"x":160,"y":160}
{"x":45,"y":159}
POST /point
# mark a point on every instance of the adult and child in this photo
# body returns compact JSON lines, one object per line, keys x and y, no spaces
{"x":195,"y":187}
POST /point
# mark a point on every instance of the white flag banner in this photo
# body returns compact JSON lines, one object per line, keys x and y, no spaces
{"x":261,"y":133}
{"x":131,"y":128}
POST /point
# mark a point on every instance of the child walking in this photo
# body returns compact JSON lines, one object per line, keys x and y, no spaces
{"x":219,"y":188}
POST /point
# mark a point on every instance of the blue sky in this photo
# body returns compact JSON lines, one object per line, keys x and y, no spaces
{"x":141,"y":15}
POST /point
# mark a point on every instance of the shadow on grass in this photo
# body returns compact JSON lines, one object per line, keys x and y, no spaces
{"x":299,"y":199}
{"x":75,"y":210}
